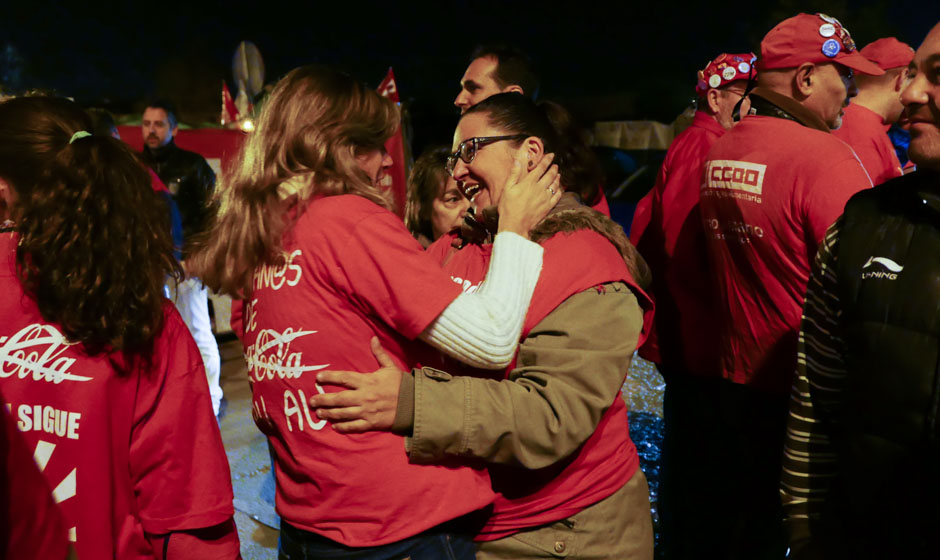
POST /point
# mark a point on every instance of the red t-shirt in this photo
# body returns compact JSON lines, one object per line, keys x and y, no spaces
{"x":864,"y":131}
{"x":31,"y":525}
{"x":124,"y":453}
{"x":667,"y":231}
{"x":352,"y":271}
{"x":571,"y":263}
{"x":772,"y":188}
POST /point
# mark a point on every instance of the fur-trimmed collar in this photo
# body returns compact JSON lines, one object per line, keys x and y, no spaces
{"x":569,"y":215}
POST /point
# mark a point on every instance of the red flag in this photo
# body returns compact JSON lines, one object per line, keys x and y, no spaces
{"x":388,"y":88}
{"x":395,"y":146}
{"x":229,"y":111}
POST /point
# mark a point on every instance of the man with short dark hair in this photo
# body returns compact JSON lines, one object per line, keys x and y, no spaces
{"x":772,"y":185}
{"x":186,"y":174}
{"x":496,"y":69}
{"x":667,"y":230}
{"x":876,"y":107}
{"x":190,"y":181}
{"x":862,"y":458}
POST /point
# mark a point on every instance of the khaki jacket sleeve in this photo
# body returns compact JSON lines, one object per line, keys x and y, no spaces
{"x":570,"y":369}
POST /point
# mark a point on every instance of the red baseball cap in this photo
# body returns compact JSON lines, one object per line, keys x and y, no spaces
{"x":812,"y":38}
{"x":888,"y":53}
{"x":724,"y":69}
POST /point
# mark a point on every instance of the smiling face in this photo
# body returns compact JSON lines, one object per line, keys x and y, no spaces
{"x":921,"y":100}
{"x":491,"y":165}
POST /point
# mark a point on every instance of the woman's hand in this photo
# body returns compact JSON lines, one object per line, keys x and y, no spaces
{"x":528,"y":195}
{"x":370,"y":401}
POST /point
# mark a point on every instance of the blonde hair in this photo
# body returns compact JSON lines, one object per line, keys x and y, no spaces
{"x":310,"y":130}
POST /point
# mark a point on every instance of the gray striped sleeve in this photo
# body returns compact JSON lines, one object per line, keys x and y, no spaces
{"x":809,"y":460}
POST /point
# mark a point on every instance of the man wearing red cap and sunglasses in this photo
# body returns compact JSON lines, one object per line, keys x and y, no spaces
{"x":667,"y":230}
{"x":772,"y":185}
{"x":876,"y":107}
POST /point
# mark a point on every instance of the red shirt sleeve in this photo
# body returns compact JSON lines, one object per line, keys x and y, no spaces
{"x":177,"y":462}
{"x":386,"y":270}
{"x":32,"y":526}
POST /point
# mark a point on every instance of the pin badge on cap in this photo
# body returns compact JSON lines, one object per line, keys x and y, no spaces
{"x":829,"y":19}
{"x":714,"y":81}
{"x":831,"y":48}
{"x":729,"y":73}
{"x":744,"y":68}
{"x":827,"y":30}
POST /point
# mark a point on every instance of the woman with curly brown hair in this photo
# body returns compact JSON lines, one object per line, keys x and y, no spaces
{"x":99,"y":371}
{"x":305,"y":237}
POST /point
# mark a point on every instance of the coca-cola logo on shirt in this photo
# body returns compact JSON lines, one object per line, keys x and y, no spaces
{"x":270,"y":356}
{"x":36,"y":351}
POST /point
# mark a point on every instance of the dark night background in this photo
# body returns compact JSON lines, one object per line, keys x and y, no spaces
{"x":606,"y":62}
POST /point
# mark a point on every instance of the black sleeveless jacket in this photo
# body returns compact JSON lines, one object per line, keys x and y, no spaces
{"x":887,"y":430}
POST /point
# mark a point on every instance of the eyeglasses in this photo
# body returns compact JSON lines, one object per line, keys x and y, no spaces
{"x":467,"y":149}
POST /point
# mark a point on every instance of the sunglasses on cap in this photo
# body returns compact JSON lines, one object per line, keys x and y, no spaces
{"x":467,"y":149}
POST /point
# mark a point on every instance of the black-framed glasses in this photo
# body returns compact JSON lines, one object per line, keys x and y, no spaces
{"x":467,"y":149}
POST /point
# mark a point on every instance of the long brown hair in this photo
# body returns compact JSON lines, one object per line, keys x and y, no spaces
{"x":94,"y":249}
{"x":305,"y":143}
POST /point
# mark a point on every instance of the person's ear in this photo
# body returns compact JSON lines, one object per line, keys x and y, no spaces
{"x":804,"y":79}
{"x":899,"y":81}
{"x":514,"y":88}
{"x":174,"y":130}
{"x":534,"y":150}
{"x":711,"y":99}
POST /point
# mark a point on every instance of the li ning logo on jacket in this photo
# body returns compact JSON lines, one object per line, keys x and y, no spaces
{"x":886,"y":268}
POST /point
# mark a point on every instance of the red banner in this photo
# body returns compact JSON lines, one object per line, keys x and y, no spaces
{"x":395,"y":146}
{"x":217,"y":145}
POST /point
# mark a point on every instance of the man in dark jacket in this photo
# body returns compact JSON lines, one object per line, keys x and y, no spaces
{"x":186,"y":174}
{"x":190,"y":181}
{"x":862,"y":453}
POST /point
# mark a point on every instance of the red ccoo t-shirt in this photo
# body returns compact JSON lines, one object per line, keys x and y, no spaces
{"x":772,"y":188}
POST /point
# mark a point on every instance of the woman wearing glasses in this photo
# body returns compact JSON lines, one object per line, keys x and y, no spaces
{"x":554,"y":428}
{"x":305,"y":237}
